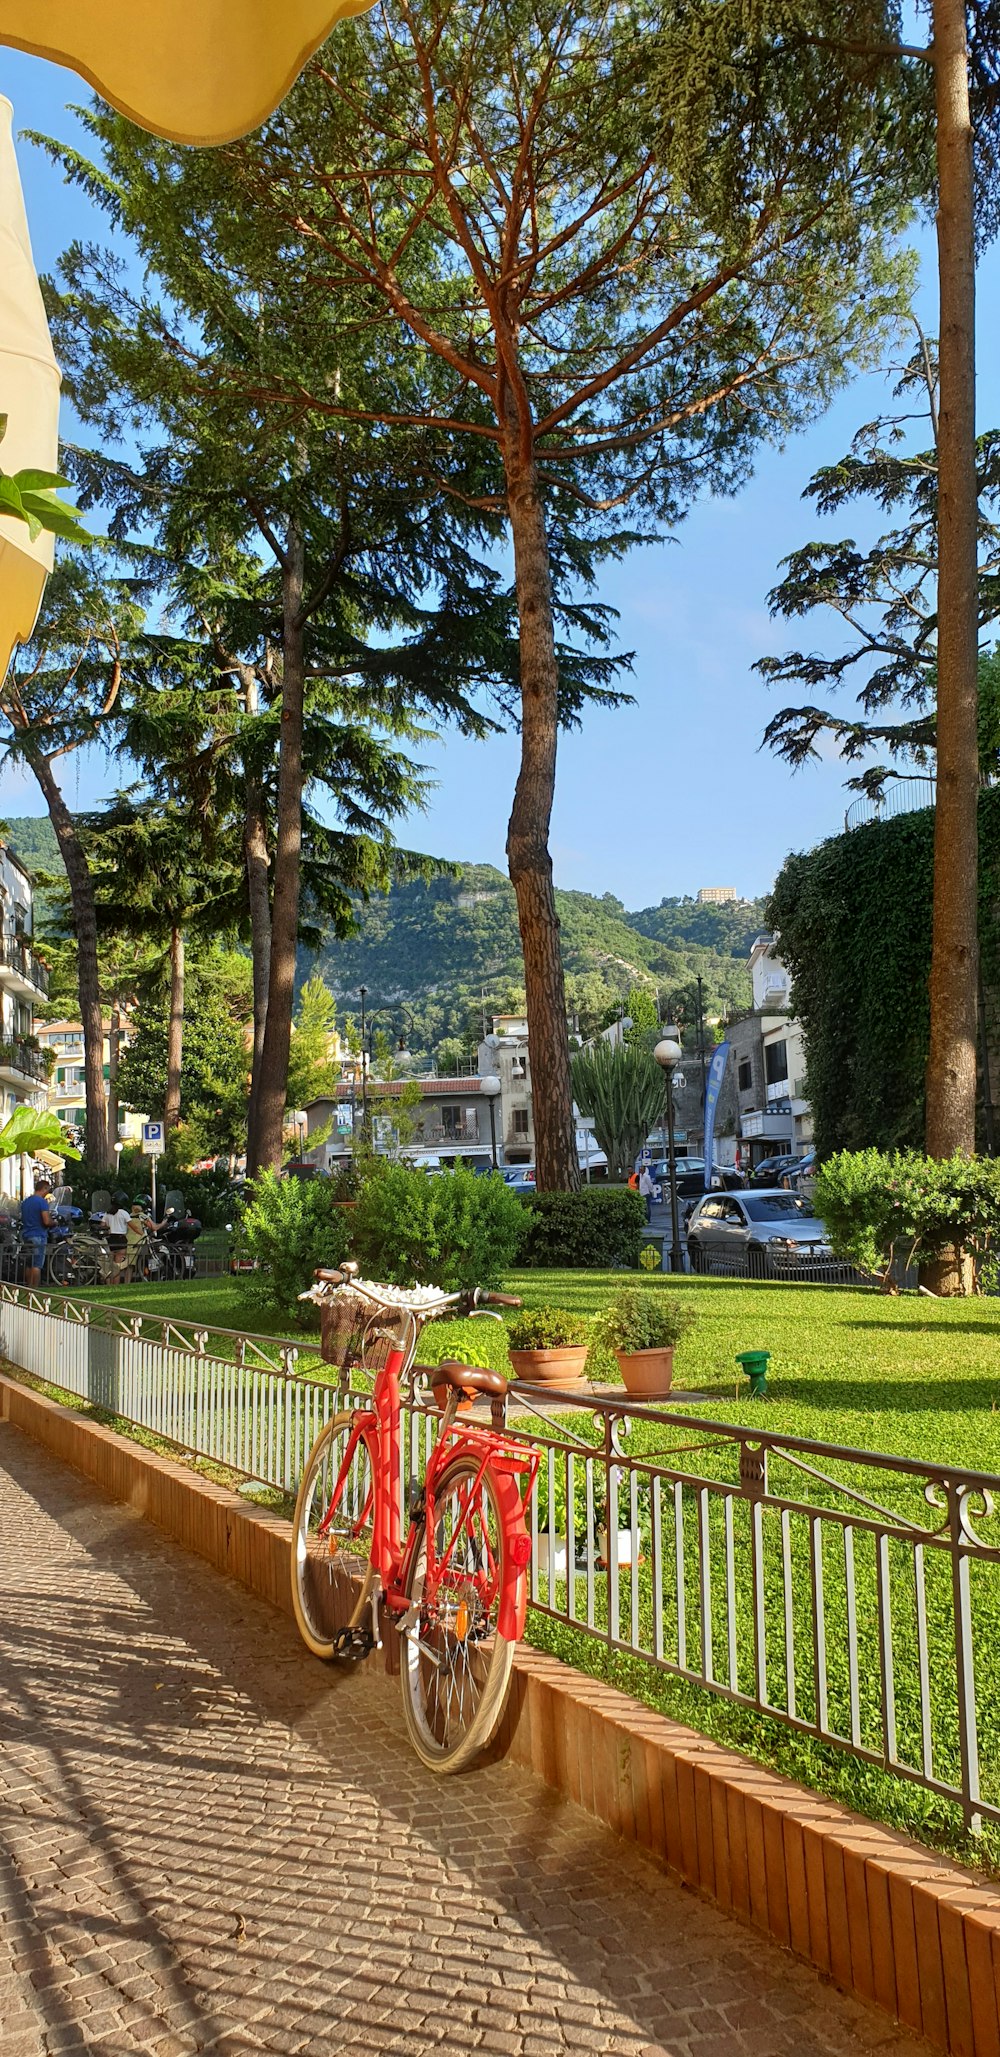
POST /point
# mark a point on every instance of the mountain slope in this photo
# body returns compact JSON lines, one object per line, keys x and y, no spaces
{"x":449,"y":951}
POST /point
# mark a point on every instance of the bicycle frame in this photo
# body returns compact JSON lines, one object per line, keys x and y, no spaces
{"x":379,"y":1428}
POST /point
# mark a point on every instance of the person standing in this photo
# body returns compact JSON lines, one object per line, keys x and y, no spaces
{"x":36,"y":1222}
{"x":647,"y":1191}
{"x":116,"y":1229}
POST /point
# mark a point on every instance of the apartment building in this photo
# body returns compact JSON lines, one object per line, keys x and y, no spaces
{"x":769,"y":1063}
{"x":24,"y":983}
{"x":61,"y":1043}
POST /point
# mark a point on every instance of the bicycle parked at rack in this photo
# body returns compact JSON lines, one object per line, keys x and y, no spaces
{"x":455,"y":1588}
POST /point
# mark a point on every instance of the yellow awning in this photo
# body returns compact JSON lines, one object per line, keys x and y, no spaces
{"x":195,"y":71}
{"x":29,"y":396}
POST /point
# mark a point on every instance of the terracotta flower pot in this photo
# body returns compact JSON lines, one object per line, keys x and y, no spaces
{"x":551,"y":1367}
{"x":646,"y":1374}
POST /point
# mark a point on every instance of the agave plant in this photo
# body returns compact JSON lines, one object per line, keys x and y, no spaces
{"x":622,"y":1089}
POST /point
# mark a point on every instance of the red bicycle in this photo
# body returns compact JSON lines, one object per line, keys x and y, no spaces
{"x":457,"y":1585}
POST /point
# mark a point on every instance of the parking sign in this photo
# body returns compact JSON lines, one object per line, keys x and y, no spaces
{"x":152,"y":1139}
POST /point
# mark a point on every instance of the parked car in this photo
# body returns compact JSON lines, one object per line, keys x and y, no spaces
{"x":691,"y":1177}
{"x":520,"y":1178}
{"x":768,"y":1233}
{"x":771,"y":1170}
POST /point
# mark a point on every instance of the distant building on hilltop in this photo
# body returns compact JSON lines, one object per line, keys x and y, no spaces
{"x":717,"y":896}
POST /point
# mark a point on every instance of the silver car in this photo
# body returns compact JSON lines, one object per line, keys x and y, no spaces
{"x":770,"y":1233}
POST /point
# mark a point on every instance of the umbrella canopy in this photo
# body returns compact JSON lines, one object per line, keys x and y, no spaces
{"x":29,"y":396}
{"x":195,"y":71}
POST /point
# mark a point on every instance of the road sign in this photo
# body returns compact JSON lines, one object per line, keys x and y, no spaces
{"x":153,"y":1143}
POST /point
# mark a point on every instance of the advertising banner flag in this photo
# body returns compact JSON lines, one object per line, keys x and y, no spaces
{"x":713,"y":1087}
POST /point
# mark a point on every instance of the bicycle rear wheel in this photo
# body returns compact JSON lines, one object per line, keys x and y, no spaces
{"x":332,"y":1571}
{"x":456,"y":1665}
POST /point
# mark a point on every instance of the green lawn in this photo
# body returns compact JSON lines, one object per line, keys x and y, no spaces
{"x":910,"y":1376}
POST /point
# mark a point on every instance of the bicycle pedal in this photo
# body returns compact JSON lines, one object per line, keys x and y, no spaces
{"x":353,"y":1642}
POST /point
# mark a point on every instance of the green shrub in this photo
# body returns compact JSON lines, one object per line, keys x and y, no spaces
{"x":878,"y":1206}
{"x":547,"y":1328}
{"x":451,"y":1231}
{"x":288,"y":1226}
{"x":643,"y":1318}
{"x":599,"y":1229}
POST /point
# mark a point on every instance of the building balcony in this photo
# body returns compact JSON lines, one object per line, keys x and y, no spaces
{"x":19,"y":1062}
{"x":20,"y":970}
{"x":435,"y":1133}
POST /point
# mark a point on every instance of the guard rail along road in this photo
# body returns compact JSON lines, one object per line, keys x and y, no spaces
{"x":852,"y":1596}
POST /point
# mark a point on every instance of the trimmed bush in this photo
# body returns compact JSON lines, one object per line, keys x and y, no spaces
{"x":452,"y":1231}
{"x":600,"y":1229}
{"x":548,"y":1328}
{"x":878,"y":1206}
{"x":288,"y":1226}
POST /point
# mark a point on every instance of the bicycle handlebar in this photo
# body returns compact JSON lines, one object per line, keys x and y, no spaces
{"x":484,"y":1299}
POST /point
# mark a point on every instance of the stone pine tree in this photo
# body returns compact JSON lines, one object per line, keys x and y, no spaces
{"x":956,"y":76}
{"x":324,"y":568}
{"x":595,"y":334}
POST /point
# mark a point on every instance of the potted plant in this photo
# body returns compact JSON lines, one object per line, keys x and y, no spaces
{"x":642,"y":1327}
{"x":549,"y":1346}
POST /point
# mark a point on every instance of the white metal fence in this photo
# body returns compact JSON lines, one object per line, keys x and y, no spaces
{"x":854,"y":1597}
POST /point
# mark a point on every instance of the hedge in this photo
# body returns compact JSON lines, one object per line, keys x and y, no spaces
{"x":599,"y":1229}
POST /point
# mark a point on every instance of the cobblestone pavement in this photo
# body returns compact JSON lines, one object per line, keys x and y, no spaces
{"x":209,"y":1842}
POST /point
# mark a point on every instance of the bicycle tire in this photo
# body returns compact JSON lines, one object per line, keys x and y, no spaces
{"x":332,"y":1586}
{"x":446,"y":1738}
{"x":58,"y":1264}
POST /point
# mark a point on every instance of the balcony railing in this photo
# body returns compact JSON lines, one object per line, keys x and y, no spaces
{"x":19,"y":1056}
{"x":461,"y":1132}
{"x":17,"y":955}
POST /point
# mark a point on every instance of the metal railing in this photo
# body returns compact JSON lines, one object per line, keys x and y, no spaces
{"x":20,"y":1056}
{"x":853,"y":1597}
{"x":803,"y":1264}
{"x":18,"y":956}
{"x":898,"y":796}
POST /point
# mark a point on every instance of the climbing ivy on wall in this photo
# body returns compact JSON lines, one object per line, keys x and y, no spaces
{"x":854,"y":916}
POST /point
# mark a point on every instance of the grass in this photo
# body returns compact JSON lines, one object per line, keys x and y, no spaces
{"x":913,"y":1377}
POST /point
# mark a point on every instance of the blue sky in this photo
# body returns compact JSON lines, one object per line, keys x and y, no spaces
{"x":673,"y":793}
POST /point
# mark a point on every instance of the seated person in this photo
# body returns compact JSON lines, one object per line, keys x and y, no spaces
{"x":116,"y":1229}
{"x":36,"y":1222}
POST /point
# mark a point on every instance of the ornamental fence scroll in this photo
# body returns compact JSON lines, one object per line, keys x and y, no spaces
{"x":852,"y":1597}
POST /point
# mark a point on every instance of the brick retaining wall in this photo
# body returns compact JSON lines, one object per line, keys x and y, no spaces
{"x":886,"y":1918}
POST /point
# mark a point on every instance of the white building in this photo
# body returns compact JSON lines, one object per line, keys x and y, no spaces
{"x":24,"y":982}
{"x":769,"y":1059}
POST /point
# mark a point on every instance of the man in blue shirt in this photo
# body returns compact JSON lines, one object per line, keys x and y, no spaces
{"x":35,"y":1224}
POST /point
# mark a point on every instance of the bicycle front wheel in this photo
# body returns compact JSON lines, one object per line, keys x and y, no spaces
{"x":332,"y":1571}
{"x":456,"y":1665}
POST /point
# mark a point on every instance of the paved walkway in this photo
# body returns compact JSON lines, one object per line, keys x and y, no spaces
{"x":210,"y":1842}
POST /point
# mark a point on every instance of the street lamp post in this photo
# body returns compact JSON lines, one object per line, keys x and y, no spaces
{"x":364,"y":1073}
{"x":490,"y":1085}
{"x":668,"y":1057}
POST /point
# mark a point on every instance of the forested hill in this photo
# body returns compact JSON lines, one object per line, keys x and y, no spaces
{"x":450,"y":949}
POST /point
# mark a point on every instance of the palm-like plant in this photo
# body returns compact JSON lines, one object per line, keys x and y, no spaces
{"x":622,"y":1090}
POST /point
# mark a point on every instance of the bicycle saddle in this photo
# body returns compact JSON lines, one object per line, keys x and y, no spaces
{"x":467,"y":1378}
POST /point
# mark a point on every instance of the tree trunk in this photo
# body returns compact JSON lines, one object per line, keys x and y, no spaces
{"x":100,"y":1154}
{"x":175,"y":1031}
{"x":951,"y":1068}
{"x":114,"y":1052}
{"x":556,"y":1161}
{"x":951,"y":1063}
{"x":273,"y":1070}
{"x":256,"y":860}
